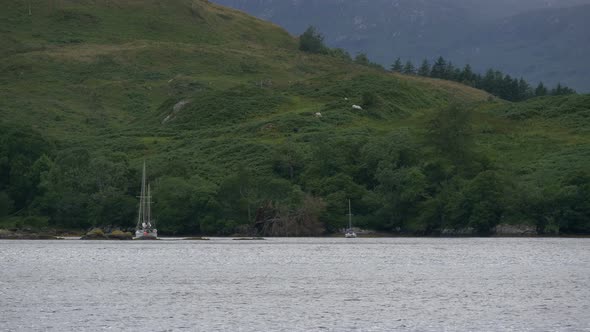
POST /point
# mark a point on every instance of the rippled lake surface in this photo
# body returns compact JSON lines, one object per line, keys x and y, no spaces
{"x":296,"y":285}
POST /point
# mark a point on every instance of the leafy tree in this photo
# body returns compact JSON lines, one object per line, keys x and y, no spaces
{"x":370,"y":98}
{"x":326,"y":159}
{"x":398,"y":148}
{"x":401,"y":190}
{"x":104,"y":182}
{"x":242,"y":194}
{"x":312,"y":41}
{"x":20,"y":150}
{"x":341,"y":54}
{"x":288,"y":160}
{"x":451,"y":134}
{"x":78,"y":191}
{"x":285,"y":220}
{"x":574,"y":204}
{"x":337,"y":190}
{"x":6,"y":204}
{"x":484,"y":201}
{"x":112,"y":207}
{"x":239,"y":196}
{"x":177,"y":204}
{"x":442,"y":209}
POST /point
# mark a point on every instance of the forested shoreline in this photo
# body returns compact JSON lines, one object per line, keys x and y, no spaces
{"x":246,"y":129}
{"x":430,"y":185}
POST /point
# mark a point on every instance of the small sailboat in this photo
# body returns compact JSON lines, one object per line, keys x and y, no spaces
{"x":350,"y":234}
{"x":146,"y":227}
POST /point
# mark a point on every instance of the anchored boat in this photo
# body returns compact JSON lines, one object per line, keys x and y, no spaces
{"x":146,"y":227}
{"x":349,"y":232}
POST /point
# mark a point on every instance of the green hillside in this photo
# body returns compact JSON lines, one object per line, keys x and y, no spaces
{"x":224,"y":109}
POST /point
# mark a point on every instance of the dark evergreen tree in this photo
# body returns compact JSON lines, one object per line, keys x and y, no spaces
{"x":478,"y":79}
{"x":409,"y":68}
{"x":457,"y":74}
{"x":568,"y":91}
{"x":362,"y":59}
{"x":562,"y":90}
{"x":488,"y":82}
{"x":439,"y":68}
{"x":541,"y":90}
{"x":467,"y":76}
{"x":450,"y":73}
{"x":424,"y":69}
{"x":557,"y":90}
{"x":397,"y":66}
{"x":508,"y":88}
{"x":524,"y":90}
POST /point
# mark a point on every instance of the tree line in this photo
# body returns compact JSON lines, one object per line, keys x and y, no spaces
{"x":312,"y":41}
{"x":493,"y":81}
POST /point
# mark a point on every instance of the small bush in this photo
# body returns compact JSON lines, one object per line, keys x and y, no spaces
{"x":370,"y":99}
{"x":95,"y":234}
{"x":120,"y":235}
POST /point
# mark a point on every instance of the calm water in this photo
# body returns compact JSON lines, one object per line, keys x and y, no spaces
{"x":296,"y":285}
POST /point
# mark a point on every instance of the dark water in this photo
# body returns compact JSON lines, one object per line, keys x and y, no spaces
{"x":296,"y":285}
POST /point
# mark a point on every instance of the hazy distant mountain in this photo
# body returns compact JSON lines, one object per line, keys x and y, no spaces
{"x":551,"y":45}
{"x":540,"y":39}
{"x":503,"y":8}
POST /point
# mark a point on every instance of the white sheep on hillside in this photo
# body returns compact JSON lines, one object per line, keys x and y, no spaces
{"x":318,"y":115}
{"x":357,"y":107}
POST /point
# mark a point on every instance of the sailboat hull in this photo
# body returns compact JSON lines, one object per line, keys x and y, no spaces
{"x":146,"y":234}
{"x":350,"y":235}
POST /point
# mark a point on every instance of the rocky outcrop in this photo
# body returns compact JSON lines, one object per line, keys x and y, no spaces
{"x":120,"y":235}
{"x":20,"y":235}
{"x":99,"y":234}
{"x":94,"y":234}
{"x":515,"y":230}
{"x":468,"y":231}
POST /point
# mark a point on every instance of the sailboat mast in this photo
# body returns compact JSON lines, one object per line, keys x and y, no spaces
{"x":349,"y":216}
{"x":141,"y":214}
{"x":149,"y":209}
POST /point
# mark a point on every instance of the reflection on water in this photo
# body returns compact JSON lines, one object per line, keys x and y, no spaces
{"x":296,"y":285}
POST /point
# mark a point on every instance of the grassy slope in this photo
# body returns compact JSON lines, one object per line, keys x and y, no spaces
{"x":542,"y":139}
{"x":105,"y":74}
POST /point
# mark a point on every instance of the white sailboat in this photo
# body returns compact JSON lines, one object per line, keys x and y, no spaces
{"x":146,"y":227}
{"x":350,"y":234}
